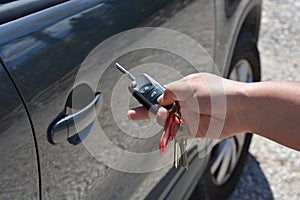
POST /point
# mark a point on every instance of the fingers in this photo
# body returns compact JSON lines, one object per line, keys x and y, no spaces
{"x":162,"y":116}
{"x":176,"y":91}
{"x":167,"y":98}
{"x":191,"y":120}
{"x":139,"y":113}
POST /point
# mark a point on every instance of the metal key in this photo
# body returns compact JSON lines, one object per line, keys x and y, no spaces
{"x":176,"y":148}
{"x":180,"y":141}
{"x":176,"y":159}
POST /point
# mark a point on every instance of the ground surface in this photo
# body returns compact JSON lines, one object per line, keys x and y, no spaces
{"x":273,"y":171}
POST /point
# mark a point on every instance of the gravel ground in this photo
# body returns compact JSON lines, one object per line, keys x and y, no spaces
{"x":273,"y":171}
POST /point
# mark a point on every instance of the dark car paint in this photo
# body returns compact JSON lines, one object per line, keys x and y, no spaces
{"x":19,"y":175}
{"x":227,"y":30}
{"x":44,"y":65}
{"x":17,"y":9}
{"x":231,"y":6}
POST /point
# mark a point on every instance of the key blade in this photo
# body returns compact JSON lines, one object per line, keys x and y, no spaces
{"x":182,"y":137}
{"x":124,"y":71}
{"x":176,"y":155}
{"x":183,"y":156}
{"x":185,"y":162}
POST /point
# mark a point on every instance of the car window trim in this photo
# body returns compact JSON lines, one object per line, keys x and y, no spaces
{"x":17,"y":9}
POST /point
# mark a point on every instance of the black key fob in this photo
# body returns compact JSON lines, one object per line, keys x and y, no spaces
{"x":145,"y":89}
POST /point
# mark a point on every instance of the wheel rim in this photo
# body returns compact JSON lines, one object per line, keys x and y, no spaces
{"x":228,"y":151}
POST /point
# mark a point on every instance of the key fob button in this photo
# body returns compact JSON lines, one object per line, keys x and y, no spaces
{"x":146,"y":88}
{"x":153,"y":93}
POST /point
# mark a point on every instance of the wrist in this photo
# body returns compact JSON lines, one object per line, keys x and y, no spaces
{"x":251,"y":119}
{"x":240,"y":108}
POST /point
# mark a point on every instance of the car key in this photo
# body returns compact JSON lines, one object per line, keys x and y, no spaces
{"x":183,"y":150}
{"x":176,"y":157}
{"x":145,"y":89}
{"x":181,"y":138}
{"x":176,"y":146}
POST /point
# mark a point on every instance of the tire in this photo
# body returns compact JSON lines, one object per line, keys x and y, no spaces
{"x":211,"y":186}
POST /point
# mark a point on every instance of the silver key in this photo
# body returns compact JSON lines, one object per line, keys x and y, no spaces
{"x":184,"y":157}
{"x":176,"y":148}
{"x":176,"y":159}
{"x":181,"y":138}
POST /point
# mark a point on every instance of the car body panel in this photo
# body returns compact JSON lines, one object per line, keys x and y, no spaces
{"x":43,"y":60}
{"x":43,"y":53}
{"x":18,"y":162}
{"x":12,"y":10}
{"x":228,"y":29}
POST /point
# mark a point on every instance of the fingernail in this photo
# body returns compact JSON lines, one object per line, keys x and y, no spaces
{"x":160,"y":98}
{"x":129,"y":117}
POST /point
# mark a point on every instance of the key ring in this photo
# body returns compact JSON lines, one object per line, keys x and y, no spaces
{"x":173,"y":120}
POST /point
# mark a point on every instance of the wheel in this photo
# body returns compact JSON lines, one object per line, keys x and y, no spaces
{"x":228,"y":158}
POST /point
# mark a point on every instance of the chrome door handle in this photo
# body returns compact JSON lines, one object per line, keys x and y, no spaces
{"x":66,"y":126}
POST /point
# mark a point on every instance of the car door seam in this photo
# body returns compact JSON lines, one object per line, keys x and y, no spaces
{"x":30,"y":121}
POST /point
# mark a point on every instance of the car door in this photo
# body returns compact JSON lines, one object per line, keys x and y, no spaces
{"x":19,"y":170}
{"x":45,"y":51}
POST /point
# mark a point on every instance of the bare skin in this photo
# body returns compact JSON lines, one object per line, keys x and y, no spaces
{"x":215,"y":107}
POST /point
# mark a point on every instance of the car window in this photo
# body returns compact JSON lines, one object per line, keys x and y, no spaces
{"x":11,"y":10}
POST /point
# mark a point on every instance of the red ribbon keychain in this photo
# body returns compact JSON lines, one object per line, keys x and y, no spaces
{"x":174,"y":119}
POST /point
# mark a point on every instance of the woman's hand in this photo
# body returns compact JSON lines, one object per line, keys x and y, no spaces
{"x":215,"y":107}
{"x":209,"y":105}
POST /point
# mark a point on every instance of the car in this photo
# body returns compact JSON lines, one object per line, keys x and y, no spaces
{"x":58,"y":82}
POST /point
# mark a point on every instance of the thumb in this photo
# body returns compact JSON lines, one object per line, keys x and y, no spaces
{"x":167,"y":98}
{"x":176,"y":91}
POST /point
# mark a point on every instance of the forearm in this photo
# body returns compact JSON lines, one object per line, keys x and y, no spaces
{"x":270,"y":109}
{"x":273,"y":111}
